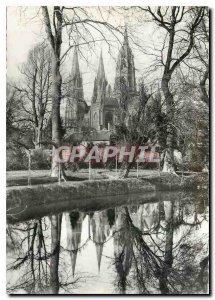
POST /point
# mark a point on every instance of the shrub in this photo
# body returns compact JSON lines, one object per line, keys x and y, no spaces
{"x":17,"y":159}
{"x":40,"y":160}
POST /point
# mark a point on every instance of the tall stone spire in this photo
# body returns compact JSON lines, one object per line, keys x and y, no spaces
{"x":101,"y":69}
{"x":100,"y":83}
{"x":125,"y":70}
{"x":75,"y":106}
{"x":75,"y":65}
{"x":125,"y":42}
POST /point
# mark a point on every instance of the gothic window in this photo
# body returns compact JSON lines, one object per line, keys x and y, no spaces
{"x":96,"y":119}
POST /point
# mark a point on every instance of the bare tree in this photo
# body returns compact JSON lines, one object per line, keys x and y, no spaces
{"x":180,"y":25}
{"x":138,"y":122}
{"x":13,"y":107}
{"x":34,"y":91}
{"x":198,"y":63}
{"x":153,"y":256}
{"x":80,"y":27}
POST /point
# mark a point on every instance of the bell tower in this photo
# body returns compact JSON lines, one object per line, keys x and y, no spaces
{"x":125,"y":71}
{"x":98,"y":98}
{"x":75,"y":107}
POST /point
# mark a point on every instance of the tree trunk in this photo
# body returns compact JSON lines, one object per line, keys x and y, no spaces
{"x":125,"y":169}
{"x":38,"y":136}
{"x":56,"y":124}
{"x":204,"y":94}
{"x":55,"y":250}
{"x":169,"y":151}
{"x":168,"y":164}
{"x":168,"y":257}
{"x":55,"y":40}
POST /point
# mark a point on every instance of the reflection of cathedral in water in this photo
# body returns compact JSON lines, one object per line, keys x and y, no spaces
{"x":147,"y":217}
{"x":101,"y":231}
{"x":143,"y":244}
{"x":125,"y":225}
{"x":99,"y":225}
{"x":144,"y":217}
{"x":74,"y":228}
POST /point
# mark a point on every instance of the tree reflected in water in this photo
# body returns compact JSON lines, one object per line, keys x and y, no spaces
{"x":36,"y":246}
{"x":156,"y":248}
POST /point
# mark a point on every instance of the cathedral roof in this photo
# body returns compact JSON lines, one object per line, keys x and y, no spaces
{"x":78,"y":137}
{"x":111,"y":102}
{"x":103,"y":135}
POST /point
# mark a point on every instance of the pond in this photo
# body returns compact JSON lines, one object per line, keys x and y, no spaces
{"x":140,"y":244}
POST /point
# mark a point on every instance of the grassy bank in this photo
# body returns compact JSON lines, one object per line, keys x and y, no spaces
{"x":88,"y":205}
{"x":69,"y":191}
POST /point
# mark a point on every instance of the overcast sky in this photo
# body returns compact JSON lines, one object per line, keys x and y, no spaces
{"x":25,"y":29}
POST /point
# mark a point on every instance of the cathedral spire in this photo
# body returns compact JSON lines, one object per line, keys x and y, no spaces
{"x":101,"y":69}
{"x":99,"y":250}
{"x":75,"y":64}
{"x":125,"y":42}
{"x":74,"y":230}
{"x":100,"y":83}
{"x":75,"y":104}
{"x":73,"y":255}
{"x":125,"y":70}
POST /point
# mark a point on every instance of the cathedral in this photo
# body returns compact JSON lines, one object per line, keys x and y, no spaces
{"x":104,"y":111}
{"x":76,"y":107}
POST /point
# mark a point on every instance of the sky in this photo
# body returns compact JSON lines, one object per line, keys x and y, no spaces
{"x":25,"y":29}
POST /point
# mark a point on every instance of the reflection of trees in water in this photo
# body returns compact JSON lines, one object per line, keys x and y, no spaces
{"x":157,"y":257}
{"x":55,"y":252}
{"x":111,"y":216}
{"x":154,"y":249}
{"x":31,"y":251}
{"x":37,"y":260}
{"x":123,"y":244}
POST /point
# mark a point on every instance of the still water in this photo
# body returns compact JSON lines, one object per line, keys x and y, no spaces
{"x":143,"y":245}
